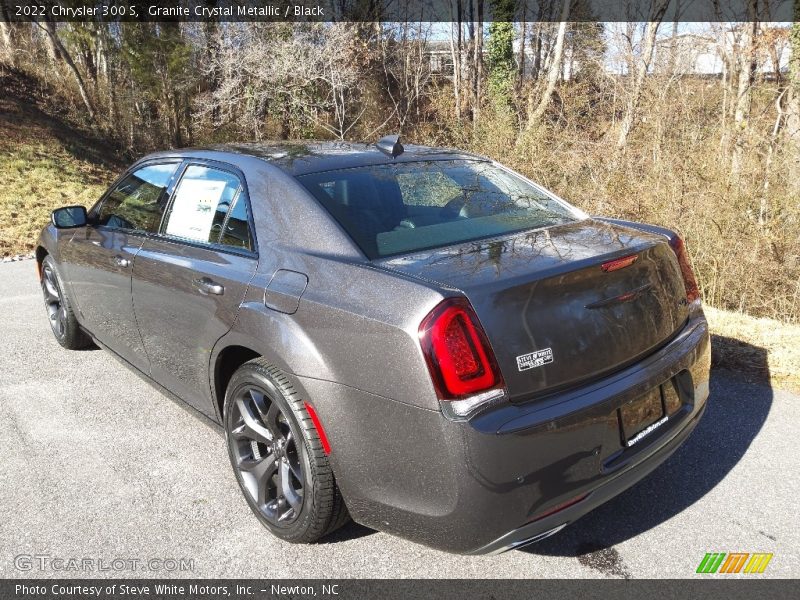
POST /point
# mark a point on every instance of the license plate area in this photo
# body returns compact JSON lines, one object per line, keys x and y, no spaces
{"x":641,"y":417}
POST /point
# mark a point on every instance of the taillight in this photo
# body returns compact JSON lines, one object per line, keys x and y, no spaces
{"x":692,"y":290}
{"x":620,"y":263}
{"x":458,"y":354}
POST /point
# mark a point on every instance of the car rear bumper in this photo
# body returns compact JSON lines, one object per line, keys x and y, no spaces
{"x":549,"y":525}
{"x":493,"y":483}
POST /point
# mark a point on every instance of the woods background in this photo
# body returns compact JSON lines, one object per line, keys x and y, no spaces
{"x":691,"y":126}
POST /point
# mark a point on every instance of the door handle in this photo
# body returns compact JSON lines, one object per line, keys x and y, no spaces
{"x":204,"y":285}
{"x":121,"y":262}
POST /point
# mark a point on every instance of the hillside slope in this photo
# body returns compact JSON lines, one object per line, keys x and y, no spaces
{"x":45,"y":162}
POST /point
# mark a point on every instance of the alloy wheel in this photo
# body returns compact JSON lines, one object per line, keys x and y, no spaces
{"x":267,"y":456}
{"x":54,"y":302}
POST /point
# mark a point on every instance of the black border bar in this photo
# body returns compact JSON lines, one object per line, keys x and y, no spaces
{"x":709,"y":587}
{"x":397,"y":10}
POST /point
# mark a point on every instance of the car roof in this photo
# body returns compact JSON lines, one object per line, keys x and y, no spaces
{"x":302,"y":158}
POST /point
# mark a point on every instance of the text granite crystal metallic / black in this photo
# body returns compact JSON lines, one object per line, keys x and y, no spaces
{"x":417,"y":338}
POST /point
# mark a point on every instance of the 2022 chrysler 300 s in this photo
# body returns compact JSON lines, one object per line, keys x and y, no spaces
{"x":417,"y":338}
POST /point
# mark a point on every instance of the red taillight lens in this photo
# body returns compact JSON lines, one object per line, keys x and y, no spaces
{"x":458,"y":354}
{"x":620,"y":263}
{"x":692,"y":290}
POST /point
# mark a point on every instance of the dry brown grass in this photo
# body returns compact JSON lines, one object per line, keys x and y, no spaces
{"x":675,"y":172}
{"x":741,"y":343}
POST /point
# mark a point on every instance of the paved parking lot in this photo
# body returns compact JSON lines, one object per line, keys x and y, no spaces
{"x":97,"y":464}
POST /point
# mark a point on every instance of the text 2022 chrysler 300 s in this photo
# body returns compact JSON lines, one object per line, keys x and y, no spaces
{"x":417,"y":338}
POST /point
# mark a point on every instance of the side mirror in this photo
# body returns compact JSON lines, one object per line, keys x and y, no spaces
{"x":69,"y":217}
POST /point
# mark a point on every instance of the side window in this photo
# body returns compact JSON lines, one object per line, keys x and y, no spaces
{"x":236,"y":230}
{"x":137,"y":202}
{"x":208,"y":206}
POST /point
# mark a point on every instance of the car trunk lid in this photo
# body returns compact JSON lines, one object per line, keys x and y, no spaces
{"x":564,"y":305}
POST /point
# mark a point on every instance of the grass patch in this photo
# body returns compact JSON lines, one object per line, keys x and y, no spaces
{"x":45,"y":162}
{"x":37,"y":178}
{"x":741,"y":342}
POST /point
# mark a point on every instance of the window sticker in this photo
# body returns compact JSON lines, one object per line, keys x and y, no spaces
{"x":193,"y":209}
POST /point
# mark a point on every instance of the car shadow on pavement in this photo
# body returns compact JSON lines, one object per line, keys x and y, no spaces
{"x":350,"y":531}
{"x":736,"y":411}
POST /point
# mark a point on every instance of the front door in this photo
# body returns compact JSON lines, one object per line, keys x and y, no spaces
{"x":98,"y":259}
{"x":189,"y":281}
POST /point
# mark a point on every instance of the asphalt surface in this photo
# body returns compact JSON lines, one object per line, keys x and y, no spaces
{"x":97,"y":464}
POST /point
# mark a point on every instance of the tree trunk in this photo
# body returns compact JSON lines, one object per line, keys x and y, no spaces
{"x":50,"y":40}
{"x":658,"y":9}
{"x":792,"y":131}
{"x":523,"y":26}
{"x":554,"y":71}
{"x":536,"y":51}
{"x":7,"y":35}
{"x":460,"y":55}
{"x":59,"y":50}
{"x":455,"y":55}
{"x":477,"y":63}
{"x":746,"y":68}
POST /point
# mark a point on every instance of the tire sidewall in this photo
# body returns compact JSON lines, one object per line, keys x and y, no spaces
{"x":49,"y":263}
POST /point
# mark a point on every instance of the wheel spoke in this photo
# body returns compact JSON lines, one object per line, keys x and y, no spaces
{"x":258,"y":467}
{"x":271,"y":419}
{"x":50,"y":287}
{"x":261,"y":471}
{"x":291,"y":495}
{"x":295,"y":469}
{"x":250,"y":429}
{"x":260,"y":402}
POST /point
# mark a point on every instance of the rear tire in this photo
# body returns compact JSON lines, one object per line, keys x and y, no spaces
{"x":277,"y":456}
{"x":63,"y":321}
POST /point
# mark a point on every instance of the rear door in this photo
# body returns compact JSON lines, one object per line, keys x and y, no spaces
{"x":99,"y":257}
{"x":189,"y":281}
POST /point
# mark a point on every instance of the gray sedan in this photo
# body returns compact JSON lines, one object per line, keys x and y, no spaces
{"x":415,"y":338}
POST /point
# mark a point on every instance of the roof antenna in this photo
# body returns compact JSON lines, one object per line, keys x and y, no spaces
{"x":390,"y":145}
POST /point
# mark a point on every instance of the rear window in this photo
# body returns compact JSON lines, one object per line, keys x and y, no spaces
{"x":400,"y":208}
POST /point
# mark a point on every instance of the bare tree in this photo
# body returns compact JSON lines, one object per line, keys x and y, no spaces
{"x":7,"y":34}
{"x":657,"y":10}
{"x":59,"y":52}
{"x":405,"y":69}
{"x":456,"y":50}
{"x":792,"y":131}
{"x":309,"y":70}
{"x":477,"y":60}
{"x":554,"y":70}
{"x":746,"y":66}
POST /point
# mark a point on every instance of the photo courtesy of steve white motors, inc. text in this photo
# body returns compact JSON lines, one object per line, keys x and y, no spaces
{"x":172,"y":589}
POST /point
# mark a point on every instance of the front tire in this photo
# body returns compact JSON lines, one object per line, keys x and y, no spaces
{"x":63,"y":321}
{"x":277,"y":456}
